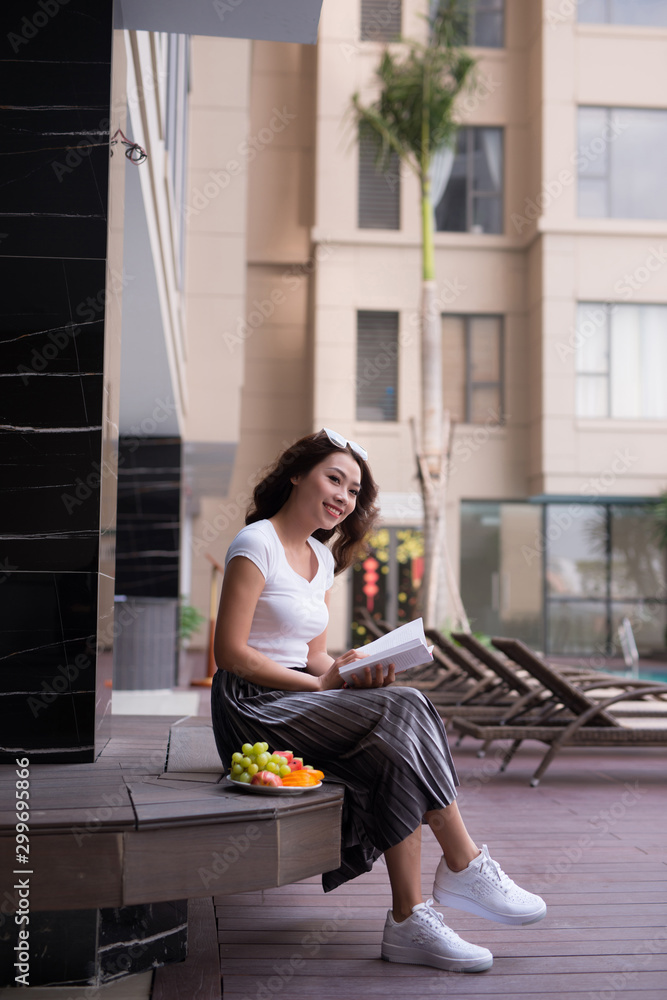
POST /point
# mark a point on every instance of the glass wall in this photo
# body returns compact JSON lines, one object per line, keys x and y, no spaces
{"x":561,"y":576}
{"x":501,"y":569}
{"x":603,"y":564}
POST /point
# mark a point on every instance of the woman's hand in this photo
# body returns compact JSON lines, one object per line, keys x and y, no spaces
{"x":366,"y":676}
{"x":372,"y":677}
{"x":331,"y":680}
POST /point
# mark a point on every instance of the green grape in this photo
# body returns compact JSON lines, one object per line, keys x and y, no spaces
{"x":246,"y":762}
{"x":258,"y":748}
{"x":271,"y":767}
{"x":245,"y":778}
{"x":262,"y":760}
{"x":284,"y":769}
{"x":252,"y":757}
{"x":265,"y":747}
{"x":237,"y":758}
{"x":246,"y":748}
{"x":237,"y":769}
{"x":253,"y":769}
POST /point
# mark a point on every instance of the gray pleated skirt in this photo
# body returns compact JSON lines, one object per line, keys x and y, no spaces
{"x":388,"y":746}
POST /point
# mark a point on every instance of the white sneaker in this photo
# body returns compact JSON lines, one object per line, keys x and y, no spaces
{"x":484,"y":889}
{"x":425,"y":939}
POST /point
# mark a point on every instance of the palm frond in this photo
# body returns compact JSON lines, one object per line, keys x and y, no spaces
{"x":387,"y":136}
{"x":418,"y":84}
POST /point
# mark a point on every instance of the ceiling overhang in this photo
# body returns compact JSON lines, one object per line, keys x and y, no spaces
{"x":267,"y":20}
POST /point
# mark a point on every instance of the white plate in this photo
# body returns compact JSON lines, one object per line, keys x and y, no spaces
{"x":271,"y":789}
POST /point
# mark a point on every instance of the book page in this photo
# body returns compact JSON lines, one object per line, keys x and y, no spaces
{"x":405,"y":633}
{"x":413,"y":656}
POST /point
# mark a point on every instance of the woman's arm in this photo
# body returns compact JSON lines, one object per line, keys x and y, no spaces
{"x":241,"y":586}
{"x":319,"y":660}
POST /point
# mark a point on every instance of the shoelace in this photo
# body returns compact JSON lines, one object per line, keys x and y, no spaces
{"x":434,"y":918}
{"x":495,"y":871}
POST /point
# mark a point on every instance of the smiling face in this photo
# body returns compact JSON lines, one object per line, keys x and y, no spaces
{"x":328,"y":493}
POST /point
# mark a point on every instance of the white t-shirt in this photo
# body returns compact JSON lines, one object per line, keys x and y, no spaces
{"x":290,"y":611}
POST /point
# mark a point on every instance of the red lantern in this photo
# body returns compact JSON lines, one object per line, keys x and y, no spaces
{"x":417,"y":571}
{"x":371,"y":576}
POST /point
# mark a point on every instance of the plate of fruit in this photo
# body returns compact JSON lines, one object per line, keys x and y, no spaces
{"x":256,"y":769}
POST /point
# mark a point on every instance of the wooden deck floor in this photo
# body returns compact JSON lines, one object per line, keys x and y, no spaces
{"x":591,"y":839}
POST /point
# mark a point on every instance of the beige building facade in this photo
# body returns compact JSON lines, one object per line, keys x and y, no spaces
{"x":552,"y":282}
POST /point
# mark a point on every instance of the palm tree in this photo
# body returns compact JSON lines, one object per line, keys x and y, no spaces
{"x":413,"y":117}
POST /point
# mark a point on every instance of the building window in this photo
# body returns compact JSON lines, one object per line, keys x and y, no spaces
{"x":468,"y":183}
{"x":472,"y":368}
{"x":652,"y":13}
{"x":379,"y":188}
{"x":486,"y":23}
{"x":621,"y":360}
{"x":482,"y":22}
{"x":380,"y":20}
{"x":377,"y":365}
{"x":622,"y":163}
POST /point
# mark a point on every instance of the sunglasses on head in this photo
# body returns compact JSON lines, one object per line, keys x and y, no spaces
{"x":342,"y":442}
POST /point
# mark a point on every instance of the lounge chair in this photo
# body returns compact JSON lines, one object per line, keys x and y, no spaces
{"x":591,"y":725}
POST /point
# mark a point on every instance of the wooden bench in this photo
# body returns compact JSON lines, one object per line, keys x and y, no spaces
{"x":126,"y":831}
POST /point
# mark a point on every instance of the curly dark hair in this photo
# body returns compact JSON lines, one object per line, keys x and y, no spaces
{"x":275,"y":487}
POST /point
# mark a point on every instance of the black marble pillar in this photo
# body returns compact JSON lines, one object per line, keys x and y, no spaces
{"x":91,"y":948}
{"x":148,"y":517}
{"x":59,"y":362}
{"x":147,"y":563}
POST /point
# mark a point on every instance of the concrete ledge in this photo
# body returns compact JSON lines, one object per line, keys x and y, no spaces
{"x":192,"y":747}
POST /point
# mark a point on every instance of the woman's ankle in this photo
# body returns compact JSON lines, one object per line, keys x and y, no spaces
{"x":401,"y":913}
{"x":459,"y":862}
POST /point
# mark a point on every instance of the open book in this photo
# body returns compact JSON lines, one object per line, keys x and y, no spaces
{"x":405,"y":647}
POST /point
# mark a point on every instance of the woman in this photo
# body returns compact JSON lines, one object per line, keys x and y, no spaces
{"x":277,"y":683}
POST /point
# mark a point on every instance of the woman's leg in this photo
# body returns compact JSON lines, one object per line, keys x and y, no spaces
{"x":450,"y":831}
{"x":469,"y":879}
{"x":404,"y":869}
{"x":416,"y":933}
